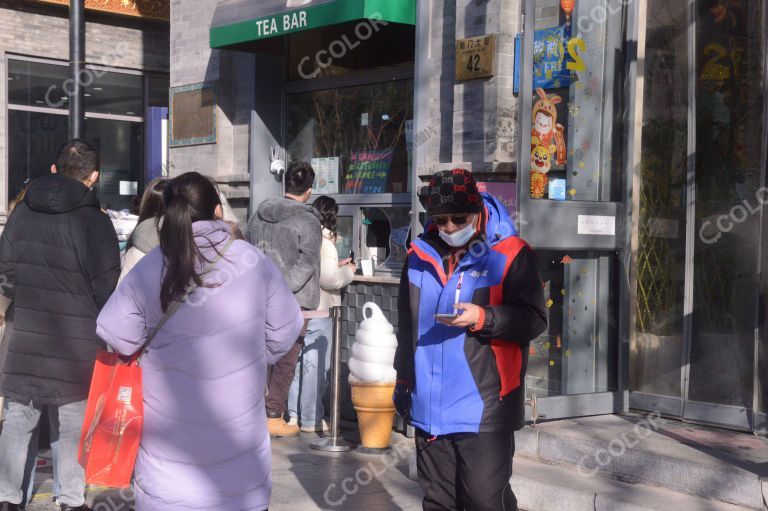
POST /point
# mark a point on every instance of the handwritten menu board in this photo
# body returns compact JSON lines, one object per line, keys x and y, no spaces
{"x":368,"y":171}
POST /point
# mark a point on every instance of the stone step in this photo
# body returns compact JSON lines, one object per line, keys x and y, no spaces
{"x":715,"y":465}
{"x":542,"y":487}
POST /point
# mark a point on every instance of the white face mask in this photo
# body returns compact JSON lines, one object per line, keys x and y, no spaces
{"x":461,"y":237}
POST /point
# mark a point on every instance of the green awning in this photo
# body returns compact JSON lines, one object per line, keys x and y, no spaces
{"x":243,"y":21}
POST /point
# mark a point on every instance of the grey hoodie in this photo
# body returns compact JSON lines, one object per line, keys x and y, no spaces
{"x":289,"y":232}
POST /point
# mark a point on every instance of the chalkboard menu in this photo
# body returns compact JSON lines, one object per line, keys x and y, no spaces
{"x":368,"y":171}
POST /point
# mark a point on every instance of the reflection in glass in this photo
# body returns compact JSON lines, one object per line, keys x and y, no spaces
{"x":361,"y":130}
{"x":729,"y":170}
{"x":115,"y":93}
{"x":344,"y":236}
{"x":120,"y":145}
{"x":37,"y":84}
{"x":656,"y":353}
{"x":48,"y":85}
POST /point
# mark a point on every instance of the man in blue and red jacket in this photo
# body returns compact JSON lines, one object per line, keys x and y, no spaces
{"x":471,"y":300}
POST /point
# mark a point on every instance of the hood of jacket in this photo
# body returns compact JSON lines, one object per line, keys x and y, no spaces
{"x":280,"y":209}
{"x":146,"y":235}
{"x":56,"y":194}
{"x":499,"y":225}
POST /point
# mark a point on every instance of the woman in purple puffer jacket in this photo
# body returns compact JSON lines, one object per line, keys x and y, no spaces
{"x":205,"y":444}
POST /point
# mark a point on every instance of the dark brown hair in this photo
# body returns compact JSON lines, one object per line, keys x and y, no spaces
{"x":77,"y":159}
{"x":152,"y":204}
{"x":299,"y":178}
{"x":188,"y":198}
{"x":328,"y":210}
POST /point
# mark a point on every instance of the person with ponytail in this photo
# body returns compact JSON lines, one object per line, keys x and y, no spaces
{"x":228,"y":313}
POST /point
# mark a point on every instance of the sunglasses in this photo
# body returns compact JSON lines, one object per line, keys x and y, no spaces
{"x":455,"y":220}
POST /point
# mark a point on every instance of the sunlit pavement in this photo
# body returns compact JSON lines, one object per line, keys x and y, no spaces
{"x":303,"y":479}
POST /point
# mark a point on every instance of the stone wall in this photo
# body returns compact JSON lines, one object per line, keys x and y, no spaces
{"x":474,"y":123}
{"x":194,"y":61}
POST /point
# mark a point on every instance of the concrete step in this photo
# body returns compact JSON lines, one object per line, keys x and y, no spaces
{"x":542,"y":487}
{"x":714,"y":465}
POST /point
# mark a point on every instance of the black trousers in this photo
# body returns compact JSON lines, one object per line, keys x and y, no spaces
{"x":466,"y":471}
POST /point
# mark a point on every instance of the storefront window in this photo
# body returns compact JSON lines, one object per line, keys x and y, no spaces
{"x":37,"y":84}
{"x":37,"y":136}
{"x":657,"y":351}
{"x":115,"y":94}
{"x":572,"y":132}
{"x":355,"y":137}
{"x":385,"y":236}
{"x":38,"y":114}
{"x":703,"y":178}
{"x":730,"y":74}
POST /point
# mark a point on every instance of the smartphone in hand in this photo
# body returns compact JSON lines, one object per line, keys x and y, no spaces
{"x":446,"y":316}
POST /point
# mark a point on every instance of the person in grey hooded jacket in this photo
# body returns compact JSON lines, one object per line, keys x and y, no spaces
{"x":289,"y":232}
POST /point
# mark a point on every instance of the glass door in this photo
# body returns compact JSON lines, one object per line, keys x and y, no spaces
{"x":701,"y":209}
{"x":570,"y":199}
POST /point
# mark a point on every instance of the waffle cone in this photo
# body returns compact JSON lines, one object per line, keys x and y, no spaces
{"x":375,"y":412}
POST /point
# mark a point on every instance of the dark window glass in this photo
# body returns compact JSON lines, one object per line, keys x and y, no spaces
{"x":730,"y":65}
{"x":356,"y":134}
{"x":114,"y":93}
{"x":349,"y":47}
{"x":36,"y":137}
{"x":39,"y":85}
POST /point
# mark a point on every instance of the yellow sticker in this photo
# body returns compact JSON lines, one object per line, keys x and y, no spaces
{"x":562,"y":292}
{"x":567,"y":353}
{"x":571,"y":192}
{"x":582,"y":165}
{"x":550,"y":303}
{"x":552,"y":363}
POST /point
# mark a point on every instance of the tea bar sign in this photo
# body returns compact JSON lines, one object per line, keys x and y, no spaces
{"x":277,"y":25}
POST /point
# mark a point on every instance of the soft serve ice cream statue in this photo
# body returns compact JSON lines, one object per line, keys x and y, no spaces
{"x":373,"y":353}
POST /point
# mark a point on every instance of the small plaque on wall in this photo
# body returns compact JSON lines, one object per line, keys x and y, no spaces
{"x":192,"y":116}
{"x":476,"y":57}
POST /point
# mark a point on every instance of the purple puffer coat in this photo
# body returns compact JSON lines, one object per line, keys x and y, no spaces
{"x":205,"y":444}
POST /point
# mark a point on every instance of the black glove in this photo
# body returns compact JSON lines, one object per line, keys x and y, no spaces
{"x":402,"y":399}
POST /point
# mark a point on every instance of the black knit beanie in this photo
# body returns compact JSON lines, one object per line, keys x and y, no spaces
{"x":453,"y":192}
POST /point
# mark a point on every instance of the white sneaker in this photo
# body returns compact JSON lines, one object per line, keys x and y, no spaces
{"x":323,"y":427}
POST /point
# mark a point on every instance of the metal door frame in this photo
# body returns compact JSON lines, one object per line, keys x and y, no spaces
{"x":682,"y":407}
{"x":536,"y":217}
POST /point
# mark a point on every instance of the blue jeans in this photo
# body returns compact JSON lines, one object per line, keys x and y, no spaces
{"x":19,"y":430}
{"x":305,"y":399}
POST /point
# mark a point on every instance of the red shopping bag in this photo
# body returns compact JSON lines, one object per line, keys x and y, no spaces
{"x":114,"y":417}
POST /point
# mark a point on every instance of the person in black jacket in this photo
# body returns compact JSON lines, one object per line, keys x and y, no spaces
{"x":59,"y":262}
{"x":471,"y":300}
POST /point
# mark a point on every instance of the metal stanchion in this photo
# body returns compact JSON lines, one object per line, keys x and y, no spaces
{"x":334,"y":442}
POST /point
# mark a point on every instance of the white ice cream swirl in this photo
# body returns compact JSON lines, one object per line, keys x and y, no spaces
{"x":373,"y":353}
